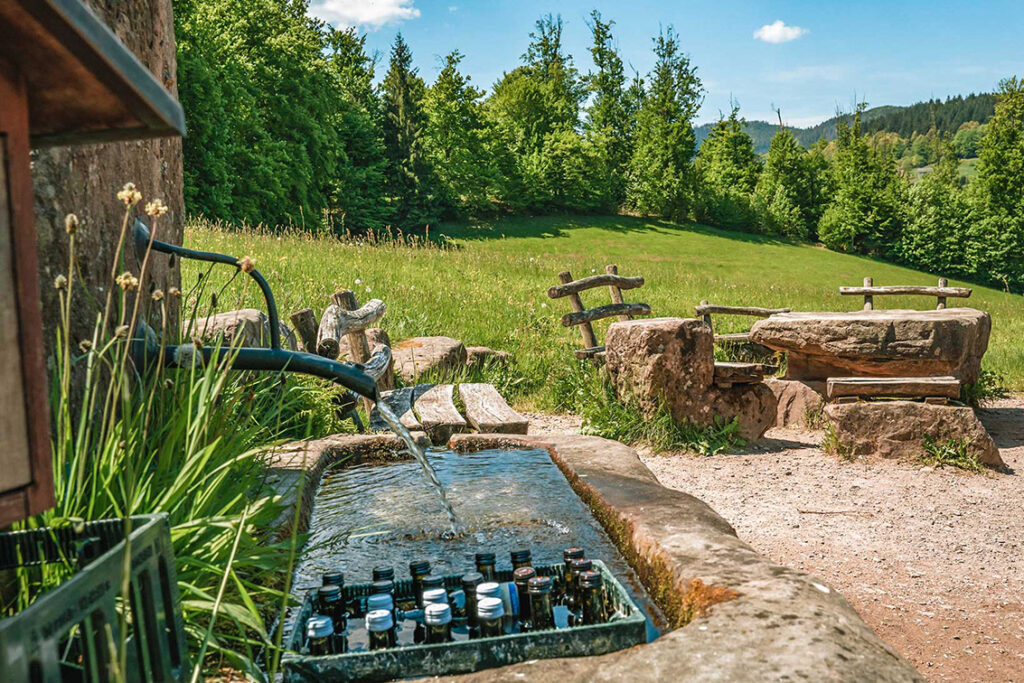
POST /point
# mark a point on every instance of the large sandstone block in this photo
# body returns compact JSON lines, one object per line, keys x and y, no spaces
{"x":896,"y":429}
{"x":420,"y":356}
{"x":797,"y":400}
{"x":244,"y":327}
{"x":885,"y":343}
{"x":671,"y":360}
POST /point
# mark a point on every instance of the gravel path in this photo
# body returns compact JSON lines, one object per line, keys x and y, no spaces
{"x":932,"y":559}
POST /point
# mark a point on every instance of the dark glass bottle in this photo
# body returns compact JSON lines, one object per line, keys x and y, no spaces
{"x":568,"y":555}
{"x":542,"y":613}
{"x":573,"y":596}
{"x":418,"y":570}
{"x":485,"y":565}
{"x":591,"y":594}
{"x":490,"y":616}
{"x":469,"y":583}
{"x":438,"y":618}
{"x":383,"y":573}
{"x":521,"y":577}
{"x":334,"y":578}
{"x":521,"y":558}
{"x":331,"y":605}
{"x":320,"y":636}
{"x":381,"y":628}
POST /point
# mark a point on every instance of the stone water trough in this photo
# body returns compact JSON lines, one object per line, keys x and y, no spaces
{"x":734,"y":615}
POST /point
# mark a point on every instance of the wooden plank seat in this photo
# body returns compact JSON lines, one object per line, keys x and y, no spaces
{"x":436,"y":410}
{"x":851,"y":388}
{"x":488,"y":412}
{"x":727,"y":374}
{"x":400,"y":401}
{"x":733,"y":338}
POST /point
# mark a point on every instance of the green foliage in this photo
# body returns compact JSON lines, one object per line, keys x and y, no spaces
{"x":950,"y":452}
{"x":967,"y":141}
{"x":831,"y":444}
{"x":727,"y":171}
{"x":661,"y":179}
{"x":610,"y":116}
{"x":989,"y":387}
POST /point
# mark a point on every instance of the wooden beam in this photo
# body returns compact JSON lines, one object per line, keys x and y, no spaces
{"x":893,"y":387}
{"x":583,"y":354}
{"x":379,"y":361}
{"x":570,"y":286}
{"x":906,"y":290}
{"x":352,"y":323}
{"x":705,"y":309}
{"x":587,"y":317}
{"x":615,"y":291}
{"x":488,"y":412}
{"x":732,"y":338}
{"x":304,"y":322}
{"x":586,"y":330}
{"x":400,"y":401}
{"x":869,"y":300}
{"x":436,"y":411}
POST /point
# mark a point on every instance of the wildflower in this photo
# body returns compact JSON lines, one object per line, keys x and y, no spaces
{"x":168,"y":383}
{"x":358,"y":281}
{"x":175,"y":292}
{"x":85,"y":346}
{"x":156,"y":208}
{"x":127,"y":281}
{"x":71,"y":224}
{"x":129,"y":195}
{"x":158,"y":294}
{"x":543,"y":305}
{"x":531,"y":259}
{"x":60,"y":282}
{"x":368,"y":290}
{"x":121,"y":332}
{"x":247,"y":264}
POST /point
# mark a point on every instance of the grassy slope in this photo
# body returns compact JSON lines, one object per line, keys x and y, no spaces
{"x":491,"y":289}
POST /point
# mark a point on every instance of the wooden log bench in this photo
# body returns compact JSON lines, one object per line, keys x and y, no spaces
{"x":941,"y":293}
{"x":488,"y":412}
{"x":435,"y":408}
{"x":727,"y":374}
{"x":582,"y":318}
{"x":937,"y":390}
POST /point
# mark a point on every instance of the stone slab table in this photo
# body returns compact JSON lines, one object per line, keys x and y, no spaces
{"x":879,"y":343}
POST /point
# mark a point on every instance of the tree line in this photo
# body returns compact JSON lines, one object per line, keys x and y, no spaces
{"x":288,"y":126}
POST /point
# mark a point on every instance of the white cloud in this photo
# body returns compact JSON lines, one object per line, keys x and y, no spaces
{"x":368,"y":14}
{"x":778,"y":32}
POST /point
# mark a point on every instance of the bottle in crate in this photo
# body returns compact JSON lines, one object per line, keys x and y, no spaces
{"x":490,"y":617}
{"x":577,"y":567}
{"x":592,"y":598}
{"x":418,"y":570}
{"x":470,"y":582}
{"x":485,"y":565}
{"x":438,"y":619}
{"x":542,"y":614}
{"x":568,"y":555}
{"x":331,"y":605}
{"x":521,"y":558}
{"x":320,"y":635}
{"x":521,"y":578}
{"x":380,"y":625}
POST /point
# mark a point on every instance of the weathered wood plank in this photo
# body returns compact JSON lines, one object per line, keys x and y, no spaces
{"x":488,"y":412}
{"x":583,"y":354}
{"x":611,"y":310}
{"x":401,"y":402}
{"x":756,"y":311}
{"x":379,"y":361}
{"x":738,"y":373}
{"x":615,"y":291}
{"x":305,"y":324}
{"x":576,"y":304}
{"x":893,"y":387}
{"x":907,"y":290}
{"x":591,"y":281}
{"x":436,"y":411}
{"x":339,"y":321}
{"x":733,"y":338}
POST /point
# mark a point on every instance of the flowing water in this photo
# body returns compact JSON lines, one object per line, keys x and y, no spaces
{"x":383,"y":514}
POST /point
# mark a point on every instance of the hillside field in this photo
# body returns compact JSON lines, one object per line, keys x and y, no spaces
{"x":489,"y":286}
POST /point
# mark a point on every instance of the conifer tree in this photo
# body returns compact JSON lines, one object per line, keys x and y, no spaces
{"x":788,"y":192}
{"x":608,"y":121}
{"x":727,"y":170}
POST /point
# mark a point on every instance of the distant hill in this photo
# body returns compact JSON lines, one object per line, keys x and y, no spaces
{"x":947,"y":116}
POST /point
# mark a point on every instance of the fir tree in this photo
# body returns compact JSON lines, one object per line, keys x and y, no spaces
{"x":608,"y":121}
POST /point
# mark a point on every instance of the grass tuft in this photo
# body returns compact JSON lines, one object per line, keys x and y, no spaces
{"x":951,"y":452}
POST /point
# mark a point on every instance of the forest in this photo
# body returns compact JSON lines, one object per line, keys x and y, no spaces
{"x":289,"y":125}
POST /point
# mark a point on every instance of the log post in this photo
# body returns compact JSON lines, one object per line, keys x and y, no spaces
{"x":869,"y":300}
{"x":707,"y":316}
{"x":586,"y":329}
{"x":358,"y":347}
{"x":941,"y":304}
{"x":306,"y":325}
{"x":615,"y":292}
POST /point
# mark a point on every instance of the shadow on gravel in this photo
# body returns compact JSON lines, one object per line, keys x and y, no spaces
{"x":1005,"y":424}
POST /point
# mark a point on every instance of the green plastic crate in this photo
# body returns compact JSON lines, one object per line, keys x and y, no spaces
{"x":65,"y":635}
{"x":626,"y":630}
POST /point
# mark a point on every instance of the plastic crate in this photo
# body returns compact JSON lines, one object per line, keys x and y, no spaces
{"x":67,"y":633}
{"x":463,"y":656}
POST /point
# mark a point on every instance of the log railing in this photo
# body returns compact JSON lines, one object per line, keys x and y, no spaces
{"x":941,"y":293}
{"x":706,"y":310}
{"x":582,"y":317}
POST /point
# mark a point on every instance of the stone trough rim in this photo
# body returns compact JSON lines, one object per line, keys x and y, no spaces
{"x":736,"y":615}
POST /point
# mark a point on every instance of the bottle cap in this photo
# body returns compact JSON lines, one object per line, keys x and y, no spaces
{"x":540,"y":584}
{"x":380,"y":601}
{"x":522,"y":555}
{"x":471,"y":580}
{"x":581,"y":566}
{"x":437,"y":614}
{"x":485,"y":558}
{"x":318,"y":626}
{"x":328,"y":593}
{"x":383,"y":586}
{"x":490,"y":608}
{"x":590,"y":579}
{"x":574,"y":553}
{"x":419,"y":568}
{"x":432,"y":582}
{"x":383,"y":573}
{"x":333,"y":578}
{"x":379,"y":620}
{"x":488,"y":590}
{"x":434,"y":595}
{"x":523,"y":574}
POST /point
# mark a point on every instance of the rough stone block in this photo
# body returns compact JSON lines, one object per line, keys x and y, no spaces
{"x":420,"y":356}
{"x":797,"y":400}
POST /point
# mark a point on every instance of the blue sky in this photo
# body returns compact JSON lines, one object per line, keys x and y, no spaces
{"x":808,"y":58}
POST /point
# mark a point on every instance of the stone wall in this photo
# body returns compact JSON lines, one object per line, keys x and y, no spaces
{"x":84,"y":179}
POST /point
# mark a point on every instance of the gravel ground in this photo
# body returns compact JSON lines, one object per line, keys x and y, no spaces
{"x":933,"y":559}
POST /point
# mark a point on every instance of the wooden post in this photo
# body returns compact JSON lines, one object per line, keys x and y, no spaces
{"x":869,"y":300}
{"x":615,"y":292}
{"x":306,"y":325}
{"x":707,"y":316}
{"x":943,"y":282}
{"x":586,"y":329}
{"x":358,"y":347}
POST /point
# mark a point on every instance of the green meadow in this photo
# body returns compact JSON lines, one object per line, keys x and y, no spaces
{"x":486,"y":283}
